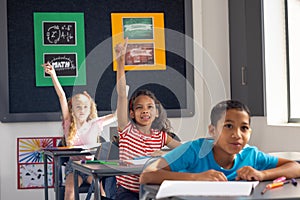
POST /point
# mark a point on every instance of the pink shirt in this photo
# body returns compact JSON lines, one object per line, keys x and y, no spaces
{"x":87,"y":134}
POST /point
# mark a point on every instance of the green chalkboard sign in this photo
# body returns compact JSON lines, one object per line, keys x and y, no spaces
{"x":59,"y":40}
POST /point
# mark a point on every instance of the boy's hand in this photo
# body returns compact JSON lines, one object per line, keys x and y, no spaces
{"x":210,"y":175}
{"x":250,"y":174}
{"x":120,"y":50}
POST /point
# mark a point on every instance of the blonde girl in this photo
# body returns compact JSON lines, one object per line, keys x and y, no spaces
{"x":81,"y":126}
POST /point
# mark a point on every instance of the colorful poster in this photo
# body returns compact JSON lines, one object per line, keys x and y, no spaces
{"x":59,"y":40}
{"x":31,"y":161}
{"x":146,"y":40}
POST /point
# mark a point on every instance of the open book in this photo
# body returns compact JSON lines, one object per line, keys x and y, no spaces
{"x":205,"y":188}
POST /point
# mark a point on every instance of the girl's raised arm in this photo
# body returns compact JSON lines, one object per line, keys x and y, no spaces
{"x":59,"y":90}
{"x":122,"y":110}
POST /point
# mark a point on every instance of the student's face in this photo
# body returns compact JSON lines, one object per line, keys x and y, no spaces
{"x":81,"y":107}
{"x":144,"y":111}
{"x":232,"y":132}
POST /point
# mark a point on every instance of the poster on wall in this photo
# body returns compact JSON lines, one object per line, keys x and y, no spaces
{"x":146,"y":40}
{"x":59,"y":40}
{"x":31,"y":164}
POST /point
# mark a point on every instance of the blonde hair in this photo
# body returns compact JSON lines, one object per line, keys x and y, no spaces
{"x":93,"y":114}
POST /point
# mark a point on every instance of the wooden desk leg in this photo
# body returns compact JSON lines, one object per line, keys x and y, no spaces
{"x":97,"y":194}
{"x":76,"y":190}
{"x":56,"y":176}
{"x":46,"y":176}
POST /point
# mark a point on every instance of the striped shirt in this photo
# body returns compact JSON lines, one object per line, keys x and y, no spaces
{"x":133,"y":143}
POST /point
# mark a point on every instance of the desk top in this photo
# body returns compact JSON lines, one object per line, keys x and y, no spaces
{"x":288,"y":155}
{"x":107,"y":169}
{"x":67,"y":153}
{"x":288,"y":191}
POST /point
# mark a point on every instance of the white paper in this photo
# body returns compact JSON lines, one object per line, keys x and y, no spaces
{"x":205,"y":188}
{"x":141,"y":161}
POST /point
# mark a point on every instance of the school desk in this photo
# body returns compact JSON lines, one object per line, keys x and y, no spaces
{"x":57,"y":154}
{"x":100,"y":169}
{"x":287,"y":155}
{"x":288,"y":191}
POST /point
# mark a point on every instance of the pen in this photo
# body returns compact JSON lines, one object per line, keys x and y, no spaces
{"x":274,"y":185}
{"x":99,"y":162}
{"x":294,"y":182}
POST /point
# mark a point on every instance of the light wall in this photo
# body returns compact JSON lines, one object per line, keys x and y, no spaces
{"x":211,"y":33}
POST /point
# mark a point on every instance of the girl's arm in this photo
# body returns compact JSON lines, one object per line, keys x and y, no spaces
{"x":59,"y":90}
{"x":172,"y":143}
{"x":122,"y":110}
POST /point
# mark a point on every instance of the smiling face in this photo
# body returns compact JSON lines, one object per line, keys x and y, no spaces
{"x":81,"y":107}
{"x":231,"y":133}
{"x":144,"y":112}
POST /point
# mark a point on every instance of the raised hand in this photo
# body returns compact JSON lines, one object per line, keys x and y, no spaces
{"x":48,"y":68}
{"x":120,"y":50}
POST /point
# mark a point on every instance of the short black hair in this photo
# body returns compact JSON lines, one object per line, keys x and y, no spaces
{"x":219,"y":109}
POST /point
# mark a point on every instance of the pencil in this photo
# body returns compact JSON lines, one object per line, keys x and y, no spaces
{"x":264,"y":191}
{"x":100,"y":162}
{"x":274,"y":185}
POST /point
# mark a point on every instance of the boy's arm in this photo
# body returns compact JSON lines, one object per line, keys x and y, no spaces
{"x":159,"y":171}
{"x":122,"y":110}
{"x":59,"y":90}
{"x":287,"y":168}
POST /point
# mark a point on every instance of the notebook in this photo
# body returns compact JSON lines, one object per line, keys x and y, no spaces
{"x":205,"y":188}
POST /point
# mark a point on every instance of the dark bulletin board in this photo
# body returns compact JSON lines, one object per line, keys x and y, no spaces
{"x":21,"y":100}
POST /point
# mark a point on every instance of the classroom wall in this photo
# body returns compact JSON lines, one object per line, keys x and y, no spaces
{"x":211,"y":33}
